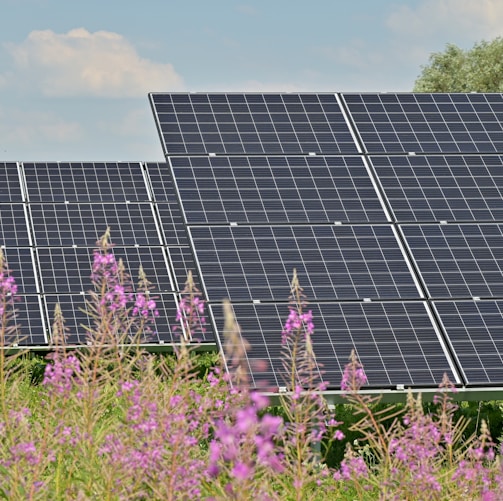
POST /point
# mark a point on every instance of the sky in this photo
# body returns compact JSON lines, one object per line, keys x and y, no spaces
{"x":75,"y":76}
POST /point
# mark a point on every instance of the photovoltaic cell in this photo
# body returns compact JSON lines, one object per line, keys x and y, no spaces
{"x":182,"y":261}
{"x":442,"y":188}
{"x":85,"y":182}
{"x":250,"y":124}
{"x":276,"y":189}
{"x":244,"y":263}
{"x":64,"y":225}
{"x":10,"y":188}
{"x":13,"y":227}
{"x":68,"y":270}
{"x":77,"y":314}
{"x":20,"y":263}
{"x":395,"y":341}
{"x":474,"y":330}
{"x":458,"y":260}
{"x":29,"y":329}
{"x":428,"y":123}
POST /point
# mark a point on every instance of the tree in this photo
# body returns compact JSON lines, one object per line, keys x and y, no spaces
{"x":479,"y":69}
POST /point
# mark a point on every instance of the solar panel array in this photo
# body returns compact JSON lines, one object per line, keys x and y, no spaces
{"x":52,"y":216}
{"x":388,"y":221}
{"x":389,"y":206}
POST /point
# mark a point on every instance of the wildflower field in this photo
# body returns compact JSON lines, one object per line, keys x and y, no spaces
{"x":112,"y":422}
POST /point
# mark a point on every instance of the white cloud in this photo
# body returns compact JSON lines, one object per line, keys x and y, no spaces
{"x":477,"y":19}
{"x":102,"y":63}
{"x":24,"y":128}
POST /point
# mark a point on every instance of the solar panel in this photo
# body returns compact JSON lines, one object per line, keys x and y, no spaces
{"x":275,"y":189}
{"x":29,"y":318}
{"x":68,"y":270}
{"x":13,"y":227}
{"x":284,"y":124}
{"x":458,"y":260}
{"x":78,"y":316}
{"x":442,"y":188}
{"x":182,"y":261}
{"x":10,"y":187}
{"x":21,"y":264}
{"x":428,"y":123}
{"x":474,"y":329}
{"x":85,"y":182}
{"x":64,"y":225}
{"x":396,"y":342}
{"x":245,"y":263}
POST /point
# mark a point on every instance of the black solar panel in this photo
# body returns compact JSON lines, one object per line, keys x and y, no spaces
{"x":29,"y":319}
{"x":474,"y":329}
{"x":396,"y":342}
{"x":428,"y":123}
{"x":182,"y":261}
{"x":244,"y":263}
{"x":63,"y":225}
{"x":251,"y":124}
{"x":21,"y":264}
{"x":458,"y":260}
{"x":276,"y":189}
{"x":68,"y":270}
{"x":85,"y":182}
{"x":78,"y":316}
{"x":10,"y":187}
{"x":13,"y":226}
{"x":442,"y":188}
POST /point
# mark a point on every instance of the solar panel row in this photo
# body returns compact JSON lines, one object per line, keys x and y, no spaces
{"x":386,"y":230}
{"x":52,"y":215}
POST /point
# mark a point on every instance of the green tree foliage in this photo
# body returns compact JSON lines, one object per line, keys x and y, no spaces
{"x":479,"y":69}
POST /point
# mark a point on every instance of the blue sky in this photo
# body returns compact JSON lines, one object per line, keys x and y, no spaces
{"x":74,"y":76}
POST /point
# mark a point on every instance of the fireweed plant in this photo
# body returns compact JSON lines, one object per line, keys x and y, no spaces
{"x":111,"y":422}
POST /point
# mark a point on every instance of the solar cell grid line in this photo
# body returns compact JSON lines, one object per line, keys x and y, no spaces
{"x":10,"y":186}
{"x":13,"y":227}
{"x":474,"y":331}
{"x":182,"y":261}
{"x":251,"y":124}
{"x":397,"y":342}
{"x":167,"y":205}
{"x":68,"y":270}
{"x":458,"y":260}
{"x":30,"y":322}
{"x":82,"y":224}
{"x":276,"y":189}
{"x":78,"y":319}
{"x":85,"y":182}
{"x":459,"y":188}
{"x":245,"y":263}
{"x":20,"y":262}
{"x":428,"y":123}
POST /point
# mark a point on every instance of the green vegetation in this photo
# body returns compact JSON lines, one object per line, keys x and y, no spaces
{"x":479,"y":69}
